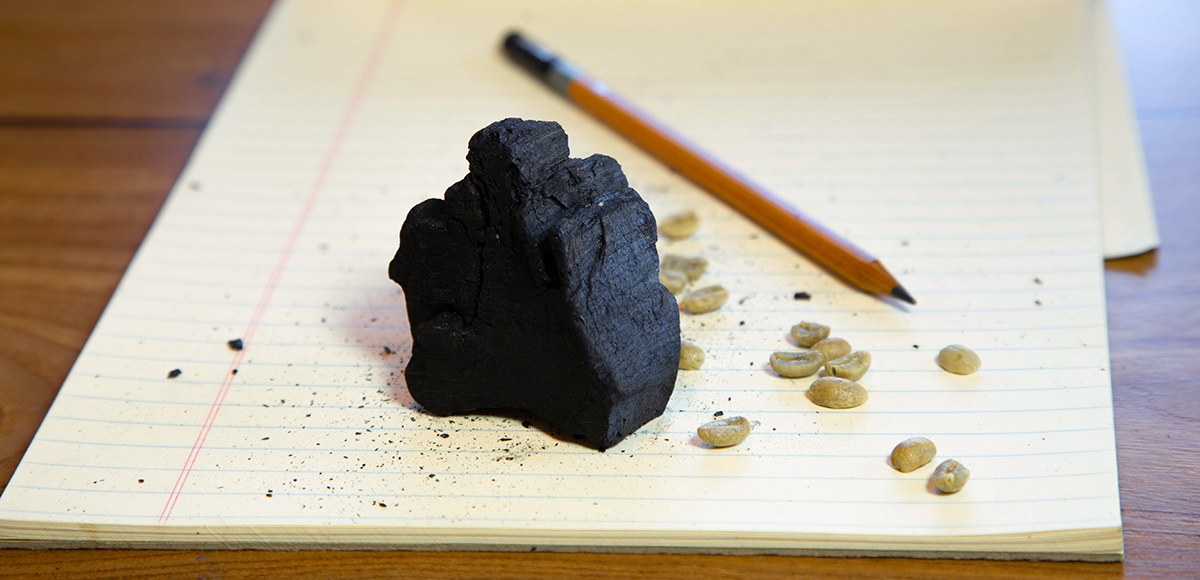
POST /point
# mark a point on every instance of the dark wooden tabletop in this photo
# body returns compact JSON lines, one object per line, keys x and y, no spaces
{"x":101,"y":103}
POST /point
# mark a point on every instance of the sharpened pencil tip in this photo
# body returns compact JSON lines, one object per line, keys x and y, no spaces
{"x":901,"y":293}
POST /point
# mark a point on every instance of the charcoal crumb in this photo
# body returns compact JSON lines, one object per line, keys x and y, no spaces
{"x":141,"y":481}
{"x":381,"y":504}
{"x":718,"y":413}
{"x":916,"y":346}
{"x":802,"y":296}
{"x":1037,"y":280}
{"x":525,"y":424}
{"x":388,"y":350}
{"x":444,"y":435}
{"x":235,"y":344}
{"x":174,"y":373}
{"x":235,"y":371}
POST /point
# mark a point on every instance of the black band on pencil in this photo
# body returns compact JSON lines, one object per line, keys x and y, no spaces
{"x":531,"y":56}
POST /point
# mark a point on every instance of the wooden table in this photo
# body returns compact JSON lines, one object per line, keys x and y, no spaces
{"x":102,"y":102}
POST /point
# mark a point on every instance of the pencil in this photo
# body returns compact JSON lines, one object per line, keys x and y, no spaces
{"x":786,"y":222}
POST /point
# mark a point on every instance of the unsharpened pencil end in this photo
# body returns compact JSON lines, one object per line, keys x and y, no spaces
{"x":901,"y":293}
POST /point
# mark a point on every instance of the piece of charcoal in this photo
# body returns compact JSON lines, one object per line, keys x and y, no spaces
{"x":235,"y":344}
{"x":534,"y":285}
{"x":174,"y":373}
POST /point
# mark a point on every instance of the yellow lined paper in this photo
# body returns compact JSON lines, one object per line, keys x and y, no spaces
{"x":955,"y":142}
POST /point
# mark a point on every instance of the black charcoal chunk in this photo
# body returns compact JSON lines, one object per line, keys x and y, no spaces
{"x":235,"y":344}
{"x":534,"y":285}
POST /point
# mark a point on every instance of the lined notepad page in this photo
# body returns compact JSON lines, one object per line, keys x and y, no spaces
{"x":954,"y":141}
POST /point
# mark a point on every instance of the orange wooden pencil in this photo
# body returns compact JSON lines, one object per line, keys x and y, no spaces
{"x":780,"y":218}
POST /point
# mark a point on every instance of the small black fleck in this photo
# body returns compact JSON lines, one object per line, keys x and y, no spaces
{"x":268,"y":495}
{"x":264,"y":438}
{"x":381,"y":504}
{"x":444,"y":435}
{"x":1037,"y":280}
{"x":1038,"y":302}
{"x":387,"y":350}
{"x":718,"y":413}
{"x":802,"y":296}
{"x":742,"y":323}
{"x":235,"y":371}
{"x":141,"y":481}
{"x":525,"y":424}
{"x":916,"y":346}
{"x":235,"y":344}
{"x":174,"y":373}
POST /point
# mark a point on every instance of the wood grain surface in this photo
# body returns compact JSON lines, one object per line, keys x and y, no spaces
{"x":101,"y":103}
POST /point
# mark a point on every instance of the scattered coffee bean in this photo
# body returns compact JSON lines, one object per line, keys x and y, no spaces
{"x":835,"y":393}
{"x":705,"y":299}
{"x":692,"y":267}
{"x":852,"y":366}
{"x":951,"y":476}
{"x":680,"y":225}
{"x":833,"y":348}
{"x":691,"y":357}
{"x":674,"y":280}
{"x":796,"y":364}
{"x":913,"y":453}
{"x":725,"y":432}
{"x":809,"y":333}
{"x":958,"y":359}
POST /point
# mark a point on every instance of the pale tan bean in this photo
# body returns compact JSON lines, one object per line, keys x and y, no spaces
{"x":796,"y":364}
{"x":691,"y":357}
{"x":913,"y":453}
{"x":809,"y":333}
{"x":705,"y":299}
{"x":833,"y":348}
{"x":835,"y":393}
{"x":852,"y":366}
{"x":958,"y":359}
{"x":674,"y":280}
{"x":725,"y":431}
{"x":951,"y":476}
{"x":691,"y":267}
{"x":680,"y":225}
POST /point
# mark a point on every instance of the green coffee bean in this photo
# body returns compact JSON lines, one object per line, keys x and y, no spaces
{"x":705,"y":299}
{"x":852,"y":366}
{"x":833,"y":348}
{"x":796,"y":364}
{"x":913,"y":453}
{"x":674,"y":280}
{"x":951,"y":476}
{"x":958,"y":359}
{"x":691,"y":357}
{"x":835,"y":393}
{"x":680,"y":225}
{"x":691,"y":267}
{"x":725,"y":431}
{"x":809,"y":333}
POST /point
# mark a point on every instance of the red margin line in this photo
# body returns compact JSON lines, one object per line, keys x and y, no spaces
{"x":264,"y":301}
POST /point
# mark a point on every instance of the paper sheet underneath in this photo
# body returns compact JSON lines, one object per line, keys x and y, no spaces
{"x":954,"y":141}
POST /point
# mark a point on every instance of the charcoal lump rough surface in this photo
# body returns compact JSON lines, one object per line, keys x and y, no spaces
{"x":534,"y":285}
